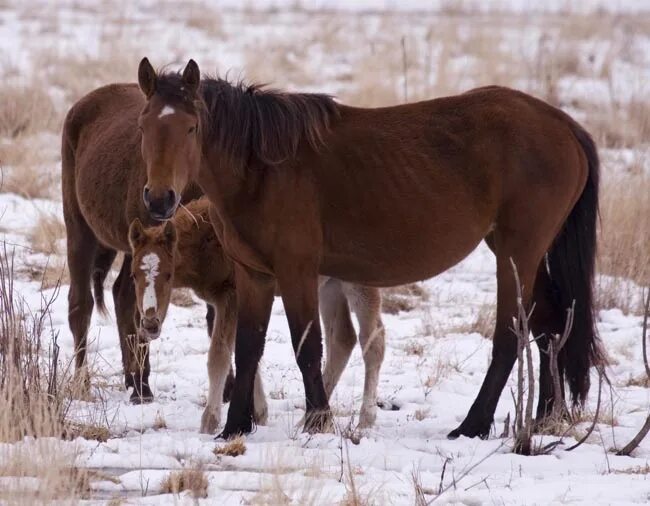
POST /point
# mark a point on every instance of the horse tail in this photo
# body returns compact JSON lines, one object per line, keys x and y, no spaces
{"x":101,"y":266}
{"x":571,"y":265}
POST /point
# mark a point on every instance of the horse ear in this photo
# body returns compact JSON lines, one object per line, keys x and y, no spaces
{"x":136,"y":234}
{"x":146,"y":77}
{"x":192,"y":76}
{"x":169,"y":233}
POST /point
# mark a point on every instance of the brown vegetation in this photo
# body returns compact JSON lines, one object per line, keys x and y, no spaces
{"x":193,"y":480}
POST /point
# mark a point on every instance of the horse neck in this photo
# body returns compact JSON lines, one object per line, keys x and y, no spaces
{"x":196,"y":266}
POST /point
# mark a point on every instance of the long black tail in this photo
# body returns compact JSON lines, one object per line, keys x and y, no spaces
{"x":572,"y":260}
{"x":101,"y":266}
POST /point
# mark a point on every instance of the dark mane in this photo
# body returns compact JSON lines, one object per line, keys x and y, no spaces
{"x":252,"y":125}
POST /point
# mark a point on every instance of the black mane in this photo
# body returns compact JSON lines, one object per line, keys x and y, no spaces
{"x":252,"y":125}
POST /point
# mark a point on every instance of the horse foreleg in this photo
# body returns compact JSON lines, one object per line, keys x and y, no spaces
{"x":340,"y":336}
{"x":219,"y":359}
{"x":366,"y":303}
{"x":299,"y":288}
{"x":254,"y":302}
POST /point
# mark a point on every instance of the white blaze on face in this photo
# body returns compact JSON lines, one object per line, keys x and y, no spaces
{"x":149,"y":267}
{"x":166,"y":111}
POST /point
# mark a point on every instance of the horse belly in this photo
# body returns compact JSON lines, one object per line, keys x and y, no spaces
{"x":103,"y":193}
{"x":399,"y":253}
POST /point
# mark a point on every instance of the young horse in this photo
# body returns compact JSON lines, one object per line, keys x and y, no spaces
{"x":302,"y":186}
{"x":185,"y":252}
{"x":102,"y":178}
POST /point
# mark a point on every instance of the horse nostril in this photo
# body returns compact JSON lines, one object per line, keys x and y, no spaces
{"x":146,"y":197}
{"x":171,"y":198}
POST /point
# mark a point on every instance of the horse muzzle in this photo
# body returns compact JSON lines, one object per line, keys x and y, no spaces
{"x":149,"y":329}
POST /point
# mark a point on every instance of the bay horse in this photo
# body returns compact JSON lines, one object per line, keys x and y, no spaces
{"x":185,"y":252}
{"x":303,"y":186}
{"x":102,"y":177}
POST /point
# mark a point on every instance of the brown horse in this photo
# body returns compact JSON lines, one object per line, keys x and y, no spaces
{"x":102,"y":178}
{"x":185,"y":252}
{"x":302,"y":186}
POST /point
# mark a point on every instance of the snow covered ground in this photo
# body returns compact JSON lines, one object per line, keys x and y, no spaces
{"x":434,"y":364}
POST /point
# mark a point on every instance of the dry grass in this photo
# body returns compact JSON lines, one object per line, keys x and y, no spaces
{"x":77,"y":75}
{"x":26,"y":110}
{"x":641,"y":470}
{"x":403,"y":298}
{"x":46,"y":234}
{"x":159,"y":422}
{"x":35,"y":392}
{"x":624,"y":241}
{"x":90,"y":431}
{"x":482,"y":324}
{"x":202,"y":17}
{"x":182,"y":297}
{"x":193,"y":480}
{"x":42,"y":472}
{"x":233,"y":448}
{"x":415,"y":348}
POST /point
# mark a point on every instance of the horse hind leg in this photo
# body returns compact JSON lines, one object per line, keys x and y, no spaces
{"x":366,"y":303}
{"x":135,"y":356}
{"x":340,"y":336}
{"x":548,"y":319}
{"x":526,"y":255}
{"x":81,"y":249}
{"x":230,"y":380}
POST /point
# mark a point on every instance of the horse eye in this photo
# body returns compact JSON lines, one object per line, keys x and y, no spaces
{"x":168,"y":277}
{"x":192,"y":130}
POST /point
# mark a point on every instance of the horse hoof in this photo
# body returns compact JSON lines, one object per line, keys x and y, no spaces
{"x":367,"y":418}
{"x":145,"y":396}
{"x":210,"y":422}
{"x":236,"y":429}
{"x":480,"y":430}
{"x":318,"y":421}
{"x":261,"y":416}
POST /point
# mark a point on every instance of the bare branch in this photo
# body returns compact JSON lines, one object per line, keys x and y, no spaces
{"x":644,"y":333}
{"x":601,"y":377}
{"x":636,"y":441}
{"x":466,"y":472}
{"x":524,"y":417}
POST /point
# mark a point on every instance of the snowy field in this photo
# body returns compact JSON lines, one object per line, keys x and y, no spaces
{"x":436,"y":357}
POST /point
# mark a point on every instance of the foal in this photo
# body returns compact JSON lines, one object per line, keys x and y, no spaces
{"x":185,"y":252}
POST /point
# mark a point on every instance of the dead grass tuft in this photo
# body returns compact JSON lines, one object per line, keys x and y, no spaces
{"x":182,"y":297}
{"x":47,"y":233}
{"x":26,"y":110}
{"x":193,"y":480}
{"x":159,"y":423}
{"x":624,"y":241}
{"x":92,"y":432}
{"x":233,"y":448}
{"x":483,"y":324}
{"x":642,"y":470}
{"x":403,"y":298}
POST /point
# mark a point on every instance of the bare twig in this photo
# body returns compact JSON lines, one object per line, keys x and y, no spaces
{"x":506,"y":427}
{"x":466,"y":471}
{"x":405,"y":69}
{"x":524,"y":418}
{"x":555,"y":346}
{"x":636,"y":441}
{"x":644,"y":333}
{"x":601,"y":377}
{"x":442,"y":474}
